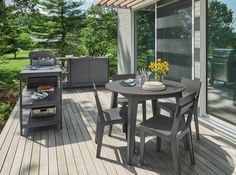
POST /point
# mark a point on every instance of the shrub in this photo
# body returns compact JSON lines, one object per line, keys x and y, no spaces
{"x":5,"y":111}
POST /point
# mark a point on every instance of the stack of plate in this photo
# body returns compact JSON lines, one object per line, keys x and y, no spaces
{"x":153,"y":86}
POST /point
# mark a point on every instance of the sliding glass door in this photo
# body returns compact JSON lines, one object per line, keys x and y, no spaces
{"x":145,"y":36}
{"x":221,"y":59}
{"x":174,"y":36}
{"x":165,"y":31}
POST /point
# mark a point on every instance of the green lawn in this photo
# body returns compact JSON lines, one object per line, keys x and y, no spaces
{"x":9,"y":82}
{"x":8,"y":63}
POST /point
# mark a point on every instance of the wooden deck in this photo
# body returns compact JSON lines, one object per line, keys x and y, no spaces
{"x":72,"y":151}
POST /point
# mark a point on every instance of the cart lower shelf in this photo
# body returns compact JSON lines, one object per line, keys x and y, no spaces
{"x":31,"y":122}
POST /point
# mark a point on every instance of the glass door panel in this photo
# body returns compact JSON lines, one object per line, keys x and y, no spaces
{"x":145,"y":36}
{"x":174,"y":37}
{"x":221,"y":59}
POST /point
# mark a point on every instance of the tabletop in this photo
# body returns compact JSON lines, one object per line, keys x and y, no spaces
{"x":172,"y":87}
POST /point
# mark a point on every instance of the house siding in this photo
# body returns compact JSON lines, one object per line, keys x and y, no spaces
{"x":124,"y":41}
{"x":197,"y":39}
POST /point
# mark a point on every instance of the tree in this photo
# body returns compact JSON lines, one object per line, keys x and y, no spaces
{"x":219,"y":25}
{"x":8,"y":34}
{"x":13,"y":35}
{"x":2,"y":9}
{"x":99,"y":37}
{"x":63,"y":17}
{"x":24,"y":6}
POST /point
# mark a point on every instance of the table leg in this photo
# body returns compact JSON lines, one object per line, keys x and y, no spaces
{"x":132,"y":115}
{"x":114,"y":99}
{"x":154,"y":107}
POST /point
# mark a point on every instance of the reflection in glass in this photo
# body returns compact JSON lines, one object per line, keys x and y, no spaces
{"x":174,"y":37}
{"x":221,"y":63}
{"x":145,"y":35}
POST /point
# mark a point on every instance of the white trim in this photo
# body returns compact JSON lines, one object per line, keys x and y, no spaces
{"x":133,"y":60}
{"x":193,"y":39}
{"x":135,"y":42}
{"x":203,"y":58}
{"x":219,"y":126}
{"x":155,"y":32}
{"x":144,"y":4}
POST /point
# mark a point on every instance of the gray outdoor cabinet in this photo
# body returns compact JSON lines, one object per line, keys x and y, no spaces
{"x":54,"y":98}
{"x":85,"y":71}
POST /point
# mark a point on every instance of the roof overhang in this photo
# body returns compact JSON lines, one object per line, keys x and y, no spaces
{"x":130,"y":4}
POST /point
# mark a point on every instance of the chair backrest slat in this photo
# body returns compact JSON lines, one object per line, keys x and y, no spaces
{"x":98,"y":103}
{"x":122,"y":77}
{"x":184,"y":106}
{"x":191,"y":85}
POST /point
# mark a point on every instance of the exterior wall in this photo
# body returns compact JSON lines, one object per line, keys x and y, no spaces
{"x":125,"y":62}
{"x":197,"y":39}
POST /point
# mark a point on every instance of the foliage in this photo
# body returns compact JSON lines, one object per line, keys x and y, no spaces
{"x":9,"y":84}
{"x":58,"y":25}
{"x":62,"y":21}
{"x":12,"y":36}
{"x":5,"y":110}
{"x":99,"y":37}
{"x":219,"y":25}
{"x":26,"y":5}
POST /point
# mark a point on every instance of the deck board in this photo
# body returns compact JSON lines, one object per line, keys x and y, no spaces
{"x":72,"y":150}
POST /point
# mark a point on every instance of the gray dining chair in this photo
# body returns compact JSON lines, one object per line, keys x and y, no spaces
{"x":191,"y":86}
{"x":105,"y":118}
{"x":171,"y":130}
{"x":124,"y":101}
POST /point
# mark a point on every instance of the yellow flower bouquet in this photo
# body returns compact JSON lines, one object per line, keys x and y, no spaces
{"x":159,"y":68}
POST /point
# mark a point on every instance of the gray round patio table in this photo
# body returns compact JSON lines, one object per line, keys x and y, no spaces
{"x":136,"y":94}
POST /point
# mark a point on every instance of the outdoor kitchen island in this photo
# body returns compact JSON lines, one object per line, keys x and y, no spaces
{"x":40,"y":112}
{"x":84,"y":71}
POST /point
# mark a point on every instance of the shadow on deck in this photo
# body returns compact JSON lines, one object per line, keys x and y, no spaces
{"x":47,"y":150}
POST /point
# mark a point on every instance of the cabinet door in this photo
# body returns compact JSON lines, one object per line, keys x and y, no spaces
{"x":79,"y":71}
{"x":99,"y":70}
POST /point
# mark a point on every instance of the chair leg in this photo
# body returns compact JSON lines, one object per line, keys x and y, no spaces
{"x":124,"y":127}
{"x":96,"y":134}
{"x":196,"y":125}
{"x":158,"y":144}
{"x":192,"y":158}
{"x":144,"y":110}
{"x":110,"y":130}
{"x":185,"y":140}
{"x":142,"y":146}
{"x":158,"y":109}
{"x":99,"y":140}
{"x":234,"y":97}
{"x":175,"y":154}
